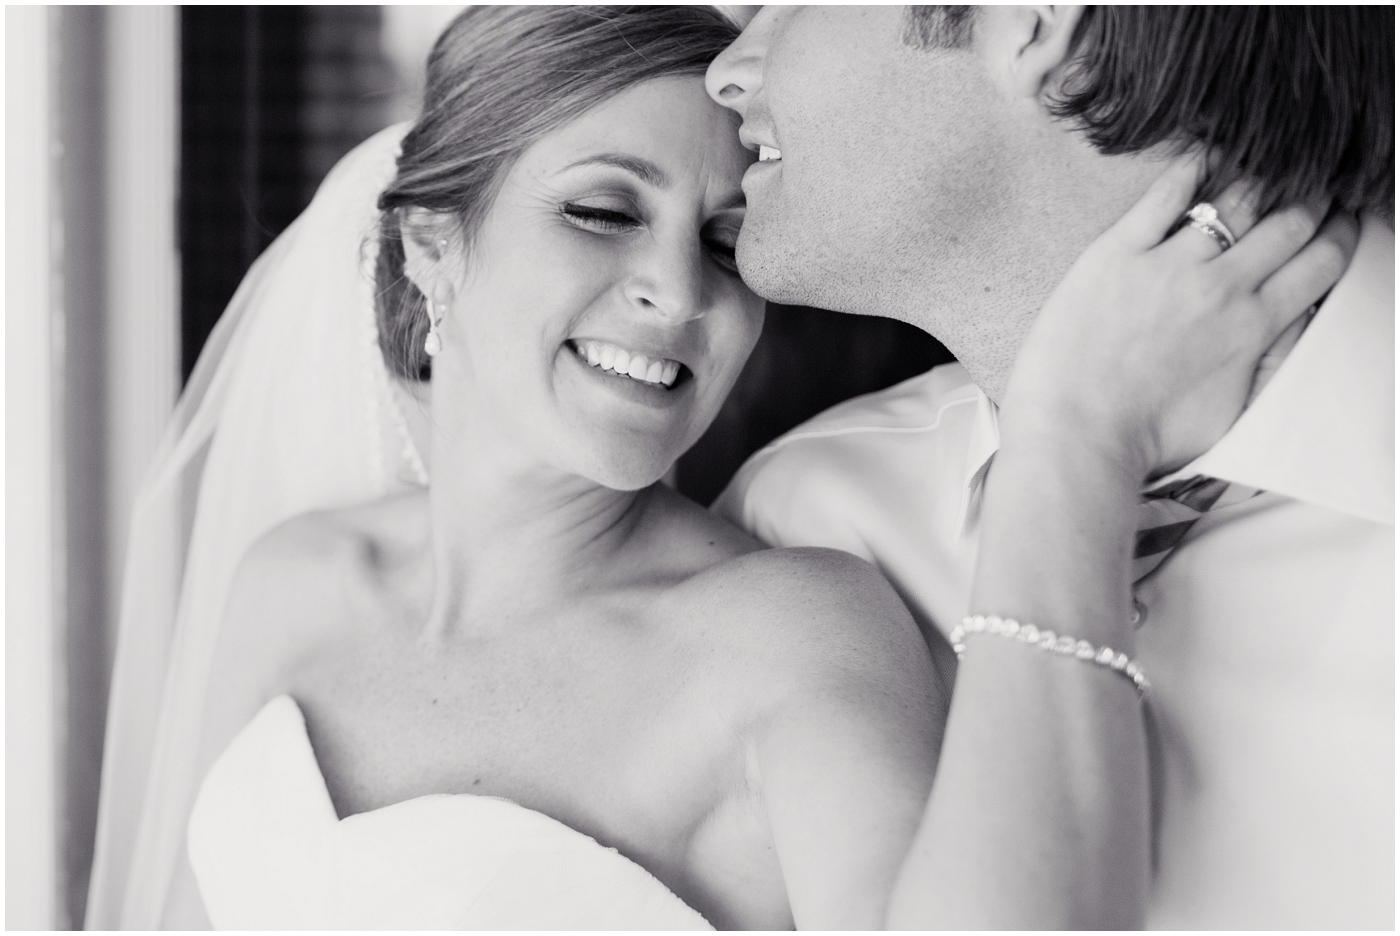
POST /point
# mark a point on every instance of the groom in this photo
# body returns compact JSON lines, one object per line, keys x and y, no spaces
{"x":945,"y":166}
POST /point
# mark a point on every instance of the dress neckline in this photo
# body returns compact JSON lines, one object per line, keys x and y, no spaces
{"x":269,"y":851}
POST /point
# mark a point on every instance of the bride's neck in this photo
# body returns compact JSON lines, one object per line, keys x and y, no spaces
{"x":510,"y":532}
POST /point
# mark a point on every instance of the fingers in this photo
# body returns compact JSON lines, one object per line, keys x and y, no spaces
{"x":1278,"y":353}
{"x":1237,"y":209}
{"x":1272,"y":242}
{"x":1163,"y":204}
{"x":1305,"y":278}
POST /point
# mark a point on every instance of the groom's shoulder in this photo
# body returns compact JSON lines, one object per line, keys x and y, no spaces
{"x":863,"y":455}
{"x":913,"y":404}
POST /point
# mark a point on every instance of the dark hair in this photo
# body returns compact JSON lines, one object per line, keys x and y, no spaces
{"x":499,"y":78}
{"x":1300,"y":98}
{"x":939,"y":27}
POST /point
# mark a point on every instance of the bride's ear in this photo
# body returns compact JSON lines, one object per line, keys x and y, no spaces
{"x":1027,"y":46}
{"x":427,"y":249}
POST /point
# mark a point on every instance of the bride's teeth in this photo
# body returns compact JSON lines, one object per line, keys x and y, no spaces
{"x":768,"y":153}
{"x":636,"y":366}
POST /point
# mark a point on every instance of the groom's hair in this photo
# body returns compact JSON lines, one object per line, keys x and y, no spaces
{"x":1300,"y":98}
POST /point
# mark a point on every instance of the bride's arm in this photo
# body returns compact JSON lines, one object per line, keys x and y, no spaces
{"x":1039,"y":816}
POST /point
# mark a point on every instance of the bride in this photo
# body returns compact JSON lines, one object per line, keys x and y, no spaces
{"x":544,"y":690}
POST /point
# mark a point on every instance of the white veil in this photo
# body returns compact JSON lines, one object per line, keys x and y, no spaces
{"x":290,"y":409}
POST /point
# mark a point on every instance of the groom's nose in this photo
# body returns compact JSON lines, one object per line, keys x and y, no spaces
{"x":735,"y":77}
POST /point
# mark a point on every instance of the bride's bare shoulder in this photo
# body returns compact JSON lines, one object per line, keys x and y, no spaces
{"x":792,"y":601}
{"x":317,"y":561}
{"x":305,"y":581}
{"x":817,"y":612}
{"x":298,"y":588}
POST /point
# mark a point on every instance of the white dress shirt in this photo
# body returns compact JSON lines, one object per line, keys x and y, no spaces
{"x":1269,"y":632}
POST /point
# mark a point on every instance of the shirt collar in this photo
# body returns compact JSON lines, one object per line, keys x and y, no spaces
{"x":1322,"y":431}
{"x":982,"y":445}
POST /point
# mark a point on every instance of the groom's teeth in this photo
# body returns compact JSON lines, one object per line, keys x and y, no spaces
{"x":768,"y":153}
{"x":625,"y":364}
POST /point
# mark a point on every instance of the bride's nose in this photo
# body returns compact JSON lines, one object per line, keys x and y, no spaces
{"x":669,"y":282}
{"x":735,"y":76}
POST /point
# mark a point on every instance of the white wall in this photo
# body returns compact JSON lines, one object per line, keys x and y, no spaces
{"x":91,"y":346}
{"x":142,"y":256}
{"x":33,"y":507}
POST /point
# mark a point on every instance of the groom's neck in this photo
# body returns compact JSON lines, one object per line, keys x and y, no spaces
{"x":980,"y":295}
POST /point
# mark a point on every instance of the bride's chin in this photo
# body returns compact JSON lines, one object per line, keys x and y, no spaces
{"x":627,"y":474}
{"x":618,"y":459}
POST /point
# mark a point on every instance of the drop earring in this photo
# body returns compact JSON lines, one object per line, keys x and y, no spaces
{"x":433,"y":344}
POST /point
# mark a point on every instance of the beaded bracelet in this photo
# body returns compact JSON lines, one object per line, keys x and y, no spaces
{"x":1048,"y":640}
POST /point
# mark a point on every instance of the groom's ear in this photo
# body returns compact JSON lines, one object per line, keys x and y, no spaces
{"x":1026,"y":46}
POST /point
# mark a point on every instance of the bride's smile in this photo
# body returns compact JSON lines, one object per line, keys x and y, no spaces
{"x":619,"y":361}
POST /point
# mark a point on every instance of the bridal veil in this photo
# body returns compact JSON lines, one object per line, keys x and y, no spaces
{"x":289,"y":409}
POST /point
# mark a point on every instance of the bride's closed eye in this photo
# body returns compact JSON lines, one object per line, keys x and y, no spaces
{"x":718,"y":237}
{"x":597,"y":218}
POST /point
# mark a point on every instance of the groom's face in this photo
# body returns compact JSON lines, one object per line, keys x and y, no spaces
{"x":881,"y":150}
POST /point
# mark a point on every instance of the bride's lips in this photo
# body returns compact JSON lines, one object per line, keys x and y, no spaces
{"x":654,"y":393}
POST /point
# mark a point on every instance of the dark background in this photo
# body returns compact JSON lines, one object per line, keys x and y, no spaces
{"x":272,"y":96}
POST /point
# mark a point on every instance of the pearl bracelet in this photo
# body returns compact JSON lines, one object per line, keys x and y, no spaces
{"x":1048,"y":640}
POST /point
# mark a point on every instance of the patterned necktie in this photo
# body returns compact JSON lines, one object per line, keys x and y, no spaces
{"x":1167,"y":513}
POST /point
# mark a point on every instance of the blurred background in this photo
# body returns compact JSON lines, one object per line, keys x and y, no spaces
{"x":151,"y":154}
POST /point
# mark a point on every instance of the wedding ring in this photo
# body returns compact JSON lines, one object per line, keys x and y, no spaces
{"x":1204,"y":218}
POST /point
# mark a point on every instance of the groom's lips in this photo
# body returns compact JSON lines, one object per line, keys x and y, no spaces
{"x":759,"y":140}
{"x":760,"y":170}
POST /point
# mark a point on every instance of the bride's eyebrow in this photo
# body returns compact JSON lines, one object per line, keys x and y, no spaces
{"x":644,"y":169}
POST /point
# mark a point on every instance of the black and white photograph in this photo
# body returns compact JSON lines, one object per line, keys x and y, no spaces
{"x":664,"y":467}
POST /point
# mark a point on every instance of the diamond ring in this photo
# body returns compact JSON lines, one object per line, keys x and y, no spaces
{"x":1204,"y":218}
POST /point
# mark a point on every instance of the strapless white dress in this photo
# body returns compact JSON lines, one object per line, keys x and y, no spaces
{"x":269,"y":852}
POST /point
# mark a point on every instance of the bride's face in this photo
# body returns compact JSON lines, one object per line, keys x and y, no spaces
{"x":600,"y":321}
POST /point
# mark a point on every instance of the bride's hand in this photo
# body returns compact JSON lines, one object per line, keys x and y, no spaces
{"x":1148,"y":348}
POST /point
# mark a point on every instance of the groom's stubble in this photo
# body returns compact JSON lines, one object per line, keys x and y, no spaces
{"x":914,"y":184}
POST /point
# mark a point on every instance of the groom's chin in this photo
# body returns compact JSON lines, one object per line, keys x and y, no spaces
{"x":773,"y":266}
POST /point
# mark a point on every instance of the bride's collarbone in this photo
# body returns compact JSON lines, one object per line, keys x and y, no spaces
{"x":587,"y":692}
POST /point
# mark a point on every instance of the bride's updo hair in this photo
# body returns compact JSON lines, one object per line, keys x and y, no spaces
{"x":499,"y":78}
